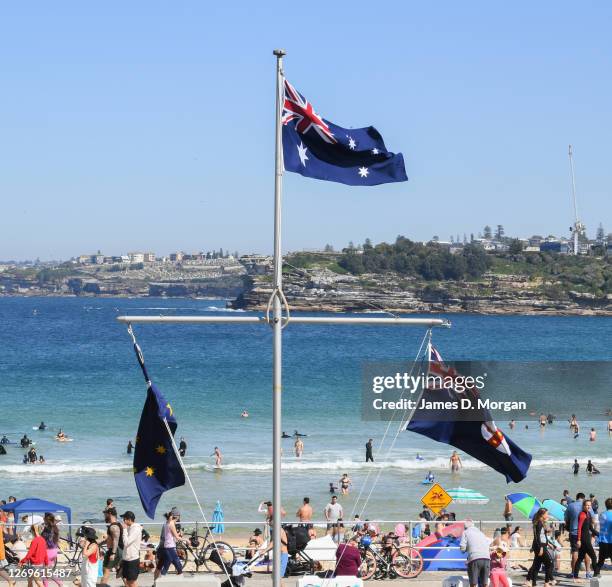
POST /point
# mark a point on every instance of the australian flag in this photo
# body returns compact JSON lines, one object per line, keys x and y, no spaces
{"x":477,"y":436}
{"x":156,"y":466}
{"x":315,"y":147}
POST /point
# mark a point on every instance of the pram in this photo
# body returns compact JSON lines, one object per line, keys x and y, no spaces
{"x":299,"y":562}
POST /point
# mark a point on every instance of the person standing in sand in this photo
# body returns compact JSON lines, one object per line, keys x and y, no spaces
{"x":455,"y":462}
{"x":299,"y":447}
{"x":508,"y":510}
{"x":304,"y":513}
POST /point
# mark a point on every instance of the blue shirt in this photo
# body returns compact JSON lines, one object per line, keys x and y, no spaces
{"x":571,"y":516}
{"x":605,"y":527}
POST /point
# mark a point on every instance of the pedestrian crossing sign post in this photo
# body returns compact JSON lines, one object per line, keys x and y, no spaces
{"x":436,"y":499}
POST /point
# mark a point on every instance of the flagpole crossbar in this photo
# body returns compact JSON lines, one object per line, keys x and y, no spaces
{"x":345,"y":320}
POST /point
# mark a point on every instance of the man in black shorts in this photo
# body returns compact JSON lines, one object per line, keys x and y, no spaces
{"x":114,"y":544}
{"x":132,"y":536}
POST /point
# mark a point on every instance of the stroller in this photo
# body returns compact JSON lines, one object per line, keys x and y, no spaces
{"x":299,"y":562}
{"x":11,"y":556}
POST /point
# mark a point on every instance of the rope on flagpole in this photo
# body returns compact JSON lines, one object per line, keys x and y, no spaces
{"x":427,"y":338}
{"x":178,"y":454}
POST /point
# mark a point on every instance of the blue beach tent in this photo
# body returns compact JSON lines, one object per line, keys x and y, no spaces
{"x":33,"y":505}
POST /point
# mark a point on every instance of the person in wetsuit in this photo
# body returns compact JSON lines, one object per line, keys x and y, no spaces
{"x":585,"y":537}
{"x":130,"y":447}
{"x":42,"y":426}
{"x":182,"y":447}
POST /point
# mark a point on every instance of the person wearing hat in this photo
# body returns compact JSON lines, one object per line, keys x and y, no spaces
{"x":166,"y":553}
{"x":255,"y":542}
{"x":132,"y":536}
{"x":91,"y":553}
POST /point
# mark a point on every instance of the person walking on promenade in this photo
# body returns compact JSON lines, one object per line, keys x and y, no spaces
{"x":132,"y":536}
{"x":541,"y":555}
{"x":166,"y":553}
{"x":605,"y":536}
{"x":585,"y":540}
{"x":114,"y":544}
{"x":89,"y":564}
{"x":476,"y":544}
{"x":51,"y":535}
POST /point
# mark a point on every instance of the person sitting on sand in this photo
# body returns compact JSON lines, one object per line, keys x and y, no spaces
{"x":255,"y":542}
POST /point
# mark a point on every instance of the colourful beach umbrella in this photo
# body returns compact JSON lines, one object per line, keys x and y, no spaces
{"x":469,"y":496}
{"x":555,"y":509}
{"x":525,"y":503}
{"x":217,"y":519}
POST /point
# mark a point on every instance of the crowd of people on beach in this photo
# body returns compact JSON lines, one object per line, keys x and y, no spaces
{"x":34,"y":541}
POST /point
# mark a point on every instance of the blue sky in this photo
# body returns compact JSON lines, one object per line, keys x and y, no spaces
{"x":149,"y":125}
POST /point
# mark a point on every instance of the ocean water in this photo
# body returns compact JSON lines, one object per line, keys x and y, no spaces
{"x":68,"y":362}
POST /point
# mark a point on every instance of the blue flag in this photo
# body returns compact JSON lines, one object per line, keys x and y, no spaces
{"x":315,"y":147}
{"x":479,"y":437}
{"x":156,"y":466}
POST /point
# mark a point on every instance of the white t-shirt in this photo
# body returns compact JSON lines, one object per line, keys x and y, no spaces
{"x":333,"y":511}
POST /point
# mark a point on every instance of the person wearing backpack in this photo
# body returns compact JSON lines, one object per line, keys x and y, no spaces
{"x":114,"y":544}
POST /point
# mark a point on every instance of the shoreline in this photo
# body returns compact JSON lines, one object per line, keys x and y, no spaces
{"x":232,"y":305}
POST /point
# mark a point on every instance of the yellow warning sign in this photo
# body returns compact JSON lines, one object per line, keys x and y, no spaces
{"x":436,"y":499}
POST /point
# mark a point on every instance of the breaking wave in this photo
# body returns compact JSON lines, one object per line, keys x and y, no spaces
{"x":404,"y":465}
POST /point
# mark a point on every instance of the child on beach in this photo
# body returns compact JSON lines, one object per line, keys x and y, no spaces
{"x":499,"y":562}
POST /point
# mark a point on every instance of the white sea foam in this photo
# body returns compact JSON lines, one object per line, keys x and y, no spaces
{"x":404,"y":465}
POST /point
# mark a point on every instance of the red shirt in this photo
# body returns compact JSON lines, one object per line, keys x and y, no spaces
{"x":348,"y":561}
{"x":37,"y":553}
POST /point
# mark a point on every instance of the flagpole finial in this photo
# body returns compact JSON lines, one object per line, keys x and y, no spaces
{"x":279,"y":52}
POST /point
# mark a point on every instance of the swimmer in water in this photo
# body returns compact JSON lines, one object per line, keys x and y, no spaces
{"x":244,"y":414}
{"x":60,"y":435}
{"x":299,"y":448}
{"x":285,"y":435}
{"x":430,"y":477}
{"x":511,"y":424}
{"x":218,"y":457}
{"x":542,"y":421}
{"x":419,"y":457}
{"x":345,"y":483}
{"x":455,"y":462}
{"x":42,"y":426}
{"x":592,"y":435}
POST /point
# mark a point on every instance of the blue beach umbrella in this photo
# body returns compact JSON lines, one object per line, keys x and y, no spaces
{"x":525,"y":503}
{"x":555,"y":509}
{"x":217,"y":519}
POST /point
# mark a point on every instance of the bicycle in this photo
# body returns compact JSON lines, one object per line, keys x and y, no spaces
{"x":215,"y":555}
{"x":73,"y":556}
{"x":391,"y":561}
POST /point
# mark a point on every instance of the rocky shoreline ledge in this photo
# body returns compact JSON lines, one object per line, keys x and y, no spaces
{"x":323,"y":290}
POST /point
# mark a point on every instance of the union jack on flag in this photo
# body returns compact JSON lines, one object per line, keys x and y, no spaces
{"x":315,"y":147}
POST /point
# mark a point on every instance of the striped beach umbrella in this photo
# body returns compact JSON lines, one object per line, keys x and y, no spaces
{"x":525,"y":503}
{"x":217,"y":519}
{"x":469,"y":496}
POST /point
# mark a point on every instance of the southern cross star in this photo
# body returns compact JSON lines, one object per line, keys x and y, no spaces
{"x":352,"y":144}
{"x":302,"y":153}
{"x":375,"y":151}
{"x":363,"y":172}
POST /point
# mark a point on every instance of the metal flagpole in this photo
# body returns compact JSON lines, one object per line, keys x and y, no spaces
{"x":277,"y":326}
{"x":278,"y":322}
